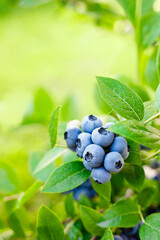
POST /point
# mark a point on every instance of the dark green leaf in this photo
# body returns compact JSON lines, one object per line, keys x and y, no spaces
{"x":28,"y":193}
{"x":53,"y":126}
{"x":150,"y":30}
{"x":74,"y":234}
{"x":134,"y":175}
{"x":150,"y":110}
{"x":134,"y":152}
{"x":69,"y":205}
{"x":84,"y":200}
{"x":145,"y":197}
{"x":66,"y":177}
{"x":151,"y":227}
{"x":50,"y":157}
{"x":124,"y":213}
{"x":89,"y":219}
{"x":138,"y":132}
{"x":8,"y":180}
{"x":107,"y":235}
{"x":49,"y":225}
{"x":103,"y":190}
{"x":121,"y":98}
{"x":15,"y":224}
{"x":157,"y":98}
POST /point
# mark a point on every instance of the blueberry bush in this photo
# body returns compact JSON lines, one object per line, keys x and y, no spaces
{"x":100,"y":176}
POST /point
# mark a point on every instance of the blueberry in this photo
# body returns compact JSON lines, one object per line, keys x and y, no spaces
{"x":113,"y":162}
{"x":109,"y":124}
{"x":90,"y":193}
{"x":87,"y":183}
{"x":83,"y":140}
{"x":89,"y":123}
{"x":94,"y":155}
{"x":71,"y":136}
{"x":100,"y":175}
{"x":120,"y":145}
{"x":86,"y":165}
{"x":102,"y":137}
{"x":116,"y":237}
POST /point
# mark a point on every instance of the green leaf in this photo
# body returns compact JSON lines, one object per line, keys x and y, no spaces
{"x":50,"y":157}
{"x":157,"y":98}
{"x":84,"y":200}
{"x":134,"y":152}
{"x":89,"y":219}
{"x":8,"y":179}
{"x":53,"y":126}
{"x":151,"y":71}
{"x":66,"y":177}
{"x":151,"y":227}
{"x":150,"y":110}
{"x":69,"y":205}
{"x":124,"y":213}
{"x":107,"y":235}
{"x":103,"y":190}
{"x":138,"y":132}
{"x":49,"y":225}
{"x":69,"y":109}
{"x":15,"y":224}
{"x":146,"y":196}
{"x":150,"y":30}
{"x":121,"y":98}
{"x":28,"y":193}
{"x":74,"y":234}
{"x":134,"y":175}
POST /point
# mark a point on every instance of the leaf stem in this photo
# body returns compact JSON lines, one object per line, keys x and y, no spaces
{"x":141,"y":215}
{"x":12,"y":197}
{"x":152,"y":118}
{"x":137,"y":37}
{"x":157,"y":61}
{"x":69,"y":225}
{"x":152,"y":155}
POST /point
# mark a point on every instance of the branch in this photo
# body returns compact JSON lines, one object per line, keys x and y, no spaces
{"x":152,"y":118}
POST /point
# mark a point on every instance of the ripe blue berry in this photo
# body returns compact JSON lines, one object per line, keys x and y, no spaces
{"x":71,"y":136}
{"x":116,"y":237}
{"x":83,"y":140}
{"x":100,"y":175}
{"x":86,"y":165}
{"x":113,"y":162}
{"x":120,"y":145}
{"x":94,"y":155}
{"x":89,"y":123}
{"x":102,"y":137}
{"x":78,"y":192}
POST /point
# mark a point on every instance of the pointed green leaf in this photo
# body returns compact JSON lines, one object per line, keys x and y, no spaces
{"x":138,"y":132}
{"x":157,"y":98}
{"x":49,"y":225}
{"x":53,"y":126}
{"x":145,"y":197}
{"x":89,"y":219}
{"x":151,"y":227}
{"x":121,"y":98}
{"x":69,"y":205}
{"x":134,"y":175}
{"x":107,"y":235}
{"x":15,"y":224}
{"x":66,"y":177}
{"x":134,"y":152}
{"x":124,"y":213}
{"x":150,"y":110}
{"x":103,"y":190}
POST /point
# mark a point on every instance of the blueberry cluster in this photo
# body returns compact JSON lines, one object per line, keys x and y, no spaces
{"x":103,"y":152}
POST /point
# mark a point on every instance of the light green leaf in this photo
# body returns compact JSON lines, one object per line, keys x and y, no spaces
{"x":28,"y":193}
{"x":69,"y":109}
{"x":50,"y":157}
{"x":146,"y":196}
{"x":53,"y":126}
{"x":150,"y":110}
{"x":151,"y":228}
{"x":103,"y":190}
{"x":74,"y":234}
{"x":84,"y":200}
{"x":69,"y":205}
{"x":15,"y":224}
{"x":49,"y":225}
{"x":107,"y":235}
{"x":150,"y":30}
{"x":157,"y":98}
{"x":89,"y":219}
{"x":134,"y":152}
{"x":138,"y":132}
{"x":8,"y":179}
{"x":121,"y":98}
{"x":134,"y":175}
{"x":124,"y":213}
{"x":66,"y":177}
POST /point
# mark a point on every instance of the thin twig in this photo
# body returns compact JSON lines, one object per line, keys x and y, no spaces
{"x":152,"y":118}
{"x":152,"y":155}
{"x":69,"y":225}
{"x":12,"y":197}
{"x":141,"y":215}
